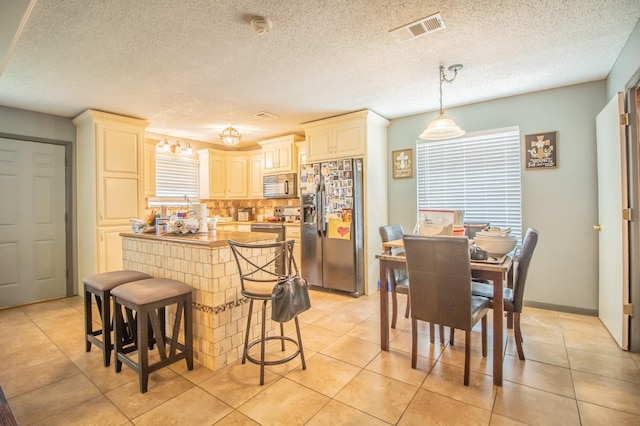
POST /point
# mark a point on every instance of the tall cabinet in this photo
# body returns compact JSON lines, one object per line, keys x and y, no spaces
{"x":360,"y":134}
{"x":110,"y":190}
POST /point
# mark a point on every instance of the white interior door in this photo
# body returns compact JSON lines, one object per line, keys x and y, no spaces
{"x":32,"y":222}
{"x":613,"y":236}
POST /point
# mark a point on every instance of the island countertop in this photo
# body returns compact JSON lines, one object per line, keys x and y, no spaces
{"x":208,"y":239}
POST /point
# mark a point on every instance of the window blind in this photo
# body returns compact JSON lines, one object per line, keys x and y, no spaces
{"x":479,"y":173}
{"x":176,"y":177}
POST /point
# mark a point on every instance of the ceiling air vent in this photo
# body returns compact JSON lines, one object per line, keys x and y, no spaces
{"x":265,"y":115}
{"x":425,"y":26}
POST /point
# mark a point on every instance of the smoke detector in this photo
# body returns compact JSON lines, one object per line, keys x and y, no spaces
{"x":261,"y":24}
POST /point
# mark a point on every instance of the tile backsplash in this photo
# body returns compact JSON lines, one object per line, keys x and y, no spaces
{"x":221,"y":207}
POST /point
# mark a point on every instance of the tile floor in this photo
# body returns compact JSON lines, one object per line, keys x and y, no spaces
{"x":574,"y":374}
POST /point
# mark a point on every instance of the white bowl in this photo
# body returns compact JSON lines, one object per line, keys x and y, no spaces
{"x":496,"y":246}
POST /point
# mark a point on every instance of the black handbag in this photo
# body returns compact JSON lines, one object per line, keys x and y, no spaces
{"x":290,"y":297}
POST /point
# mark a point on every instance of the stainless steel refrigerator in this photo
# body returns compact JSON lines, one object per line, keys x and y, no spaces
{"x":332,"y":225}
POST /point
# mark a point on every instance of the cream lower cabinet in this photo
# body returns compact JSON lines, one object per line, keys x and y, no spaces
{"x":110,"y":188}
{"x":110,"y":247}
{"x":222,"y":174}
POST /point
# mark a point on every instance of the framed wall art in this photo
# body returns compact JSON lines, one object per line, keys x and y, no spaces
{"x":402,"y":163}
{"x":541,"y":150}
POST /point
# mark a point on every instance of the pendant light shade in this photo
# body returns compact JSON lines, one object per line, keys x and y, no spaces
{"x":442,"y":127}
{"x":230,"y":136}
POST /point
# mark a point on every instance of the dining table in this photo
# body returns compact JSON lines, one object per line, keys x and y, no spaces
{"x":495,"y":272}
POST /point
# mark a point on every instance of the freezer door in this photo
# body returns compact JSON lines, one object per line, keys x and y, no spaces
{"x":311,"y":253}
{"x":339,"y":266}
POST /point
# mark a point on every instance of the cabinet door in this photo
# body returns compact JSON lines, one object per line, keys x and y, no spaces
{"x":237,"y":177}
{"x":319,"y":145}
{"x":217,"y":177}
{"x":270,"y":157}
{"x":255,"y":176}
{"x":149,"y":167}
{"x":348,"y":139}
{"x":284,"y":155}
{"x":120,"y":189}
{"x":110,"y":248}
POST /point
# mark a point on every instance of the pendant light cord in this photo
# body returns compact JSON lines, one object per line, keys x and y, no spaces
{"x":443,"y":77}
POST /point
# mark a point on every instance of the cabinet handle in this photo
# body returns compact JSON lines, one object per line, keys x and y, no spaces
{"x":100,"y":215}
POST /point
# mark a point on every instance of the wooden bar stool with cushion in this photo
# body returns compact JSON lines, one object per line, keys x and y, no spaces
{"x":100,"y":286}
{"x":261,"y":266}
{"x":149,"y":298}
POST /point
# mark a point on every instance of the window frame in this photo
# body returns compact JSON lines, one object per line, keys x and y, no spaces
{"x":465,"y":174}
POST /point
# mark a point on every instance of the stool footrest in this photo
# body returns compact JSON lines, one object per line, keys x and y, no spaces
{"x":275,"y":361}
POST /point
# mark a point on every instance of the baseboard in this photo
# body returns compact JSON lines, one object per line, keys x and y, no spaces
{"x":561,"y":308}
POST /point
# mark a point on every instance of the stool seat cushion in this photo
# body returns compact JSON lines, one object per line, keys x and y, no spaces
{"x":150,"y":290}
{"x":258,"y":289}
{"x":106,"y":281}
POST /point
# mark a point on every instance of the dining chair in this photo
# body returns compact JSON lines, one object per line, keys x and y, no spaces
{"x":398,"y":277}
{"x":261,"y":266}
{"x":440,"y":272}
{"x":513,"y":297}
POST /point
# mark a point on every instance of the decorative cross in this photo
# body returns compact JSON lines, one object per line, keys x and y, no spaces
{"x":539,"y":145}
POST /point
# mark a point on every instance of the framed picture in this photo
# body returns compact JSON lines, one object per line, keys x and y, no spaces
{"x":402,"y":163}
{"x":541,"y":150}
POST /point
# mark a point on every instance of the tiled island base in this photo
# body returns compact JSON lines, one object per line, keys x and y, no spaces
{"x":204,"y":262}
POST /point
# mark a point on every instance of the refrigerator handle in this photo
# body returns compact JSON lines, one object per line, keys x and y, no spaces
{"x":319,"y":211}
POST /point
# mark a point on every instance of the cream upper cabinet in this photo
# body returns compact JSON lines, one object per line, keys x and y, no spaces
{"x":255,"y":175}
{"x":110,"y":190}
{"x":149,"y":168}
{"x":212,"y":174}
{"x":337,"y":137}
{"x":280,"y":154}
{"x":302,"y":153}
{"x":236,"y":176}
{"x":222,"y":174}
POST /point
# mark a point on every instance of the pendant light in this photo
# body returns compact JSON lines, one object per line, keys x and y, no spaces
{"x":442,"y":127}
{"x":230,"y":136}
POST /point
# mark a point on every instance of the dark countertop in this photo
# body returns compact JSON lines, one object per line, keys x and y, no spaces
{"x":210,"y":239}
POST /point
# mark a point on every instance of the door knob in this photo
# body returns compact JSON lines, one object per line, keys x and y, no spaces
{"x":597,"y":228}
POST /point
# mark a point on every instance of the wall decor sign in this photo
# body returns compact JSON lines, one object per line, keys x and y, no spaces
{"x":402,"y":163}
{"x":541,"y":150}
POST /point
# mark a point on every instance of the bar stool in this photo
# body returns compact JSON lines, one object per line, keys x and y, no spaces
{"x":261,"y":266}
{"x":149,"y":299}
{"x":100,"y":285}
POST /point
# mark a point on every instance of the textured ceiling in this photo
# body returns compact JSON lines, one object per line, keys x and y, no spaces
{"x":193,"y":67}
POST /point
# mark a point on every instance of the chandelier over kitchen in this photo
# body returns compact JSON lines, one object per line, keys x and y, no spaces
{"x":230,"y":136}
{"x":442,"y":127}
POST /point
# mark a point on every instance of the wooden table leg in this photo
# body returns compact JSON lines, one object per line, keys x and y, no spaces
{"x":384,"y":307}
{"x":498,"y":310}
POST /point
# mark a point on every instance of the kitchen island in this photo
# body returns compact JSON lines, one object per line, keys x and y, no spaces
{"x":203,"y":261}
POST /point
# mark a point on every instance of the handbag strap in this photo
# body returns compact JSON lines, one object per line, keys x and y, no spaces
{"x":293,"y":262}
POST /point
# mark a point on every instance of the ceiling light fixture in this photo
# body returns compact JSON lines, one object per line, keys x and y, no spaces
{"x":442,"y":127}
{"x":175,"y":148}
{"x":230,"y":136}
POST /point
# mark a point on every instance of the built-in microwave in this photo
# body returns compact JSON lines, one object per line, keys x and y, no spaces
{"x":280,"y":186}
